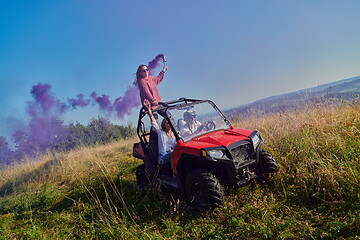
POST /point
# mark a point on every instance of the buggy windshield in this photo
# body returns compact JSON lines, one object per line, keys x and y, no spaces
{"x":193,"y":120}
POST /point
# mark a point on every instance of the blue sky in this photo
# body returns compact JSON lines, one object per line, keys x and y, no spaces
{"x":233,"y":52}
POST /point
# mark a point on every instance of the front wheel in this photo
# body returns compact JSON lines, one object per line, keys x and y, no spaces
{"x":266,"y":166}
{"x":204,"y":190}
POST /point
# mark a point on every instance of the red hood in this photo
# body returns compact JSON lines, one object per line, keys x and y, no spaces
{"x":219,"y":138}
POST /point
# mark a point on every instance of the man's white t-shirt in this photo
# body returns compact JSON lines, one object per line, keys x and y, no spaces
{"x":188,"y":129}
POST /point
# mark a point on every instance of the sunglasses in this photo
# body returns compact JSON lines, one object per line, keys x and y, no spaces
{"x":145,"y":70}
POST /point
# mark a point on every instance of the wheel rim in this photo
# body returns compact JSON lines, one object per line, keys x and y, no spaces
{"x":199,"y":195}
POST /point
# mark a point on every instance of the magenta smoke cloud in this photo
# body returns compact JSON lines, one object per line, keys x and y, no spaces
{"x":121,"y":106}
{"x":45,"y":127}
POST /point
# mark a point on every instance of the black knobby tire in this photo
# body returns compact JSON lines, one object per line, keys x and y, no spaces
{"x":204,"y":190}
{"x":266,"y":165}
{"x":142,"y":177}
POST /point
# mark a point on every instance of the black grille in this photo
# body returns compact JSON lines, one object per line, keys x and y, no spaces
{"x":241,"y":153}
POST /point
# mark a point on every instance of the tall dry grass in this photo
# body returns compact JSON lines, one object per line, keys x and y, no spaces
{"x":69,"y":167}
{"x":90,"y":193}
{"x":317,"y":148}
{"x":90,"y":180}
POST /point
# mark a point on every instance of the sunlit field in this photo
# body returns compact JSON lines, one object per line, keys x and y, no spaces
{"x":91,"y":192}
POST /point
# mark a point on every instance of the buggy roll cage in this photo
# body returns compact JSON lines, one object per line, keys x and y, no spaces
{"x":162,"y":109}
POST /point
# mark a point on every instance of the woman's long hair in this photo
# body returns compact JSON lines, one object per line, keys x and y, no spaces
{"x":138,"y":71}
{"x":163,"y":123}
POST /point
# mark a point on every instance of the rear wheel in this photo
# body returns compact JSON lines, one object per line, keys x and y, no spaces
{"x":204,"y":190}
{"x":142,"y":177}
{"x":267,"y":165}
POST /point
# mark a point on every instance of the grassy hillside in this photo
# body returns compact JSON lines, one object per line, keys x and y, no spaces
{"x":91,"y":193}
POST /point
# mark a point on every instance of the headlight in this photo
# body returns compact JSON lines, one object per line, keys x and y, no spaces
{"x":216,"y":153}
{"x":256,"y":140}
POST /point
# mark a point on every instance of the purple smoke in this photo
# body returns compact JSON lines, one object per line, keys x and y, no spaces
{"x":45,"y":128}
{"x":79,"y":101}
{"x":104,"y":102}
{"x":156,"y":62}
{"x":43,"y":98}
{"x":45,"y":103}
{"x":122,"y":105}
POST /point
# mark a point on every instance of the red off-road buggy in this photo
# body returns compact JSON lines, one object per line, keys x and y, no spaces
{"x":201,"y":163}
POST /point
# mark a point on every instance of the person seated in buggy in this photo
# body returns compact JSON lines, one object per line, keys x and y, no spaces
{"x":166,"y":138}
{"x":191,"y":125}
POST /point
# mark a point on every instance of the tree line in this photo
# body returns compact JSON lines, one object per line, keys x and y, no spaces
{"x":60,"y":137}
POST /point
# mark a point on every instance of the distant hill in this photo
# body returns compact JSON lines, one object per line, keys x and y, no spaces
{"x":330,"y":93}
